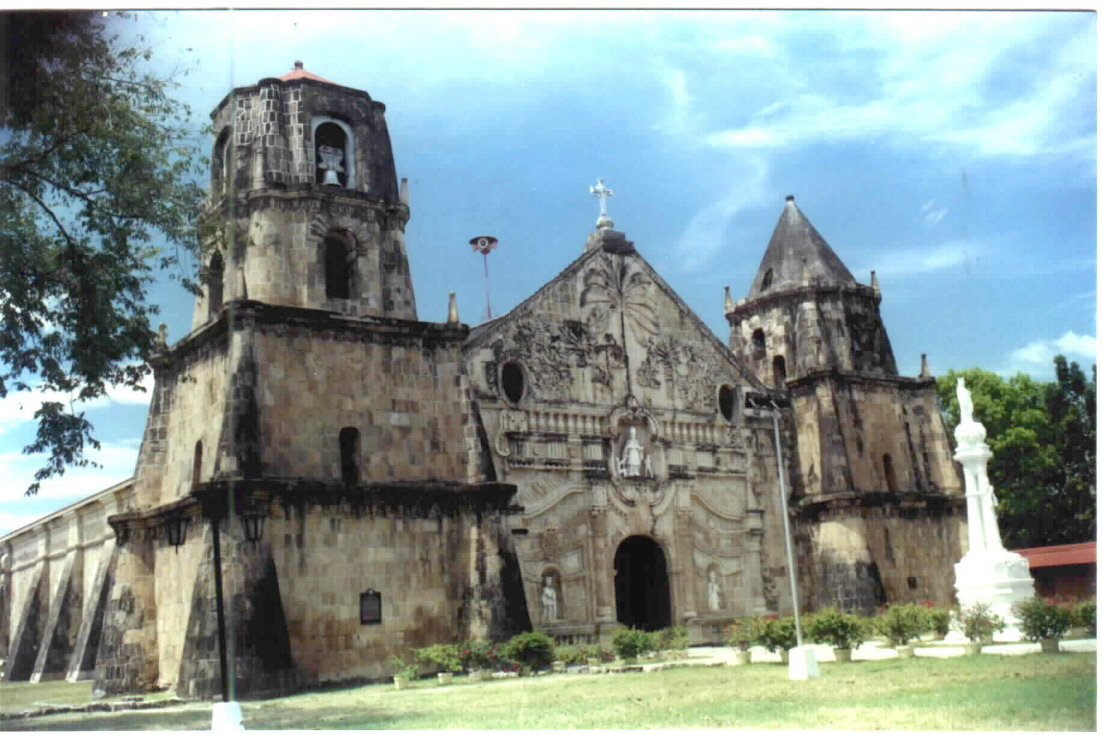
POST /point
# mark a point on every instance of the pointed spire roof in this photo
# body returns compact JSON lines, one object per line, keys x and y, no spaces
{"x":299,"y":73}
{"x":796,"y":253}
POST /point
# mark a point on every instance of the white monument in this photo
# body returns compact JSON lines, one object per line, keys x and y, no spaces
{"x":988,"y":572}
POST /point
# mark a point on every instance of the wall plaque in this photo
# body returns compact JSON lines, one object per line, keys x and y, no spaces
{"x":371,"y":608}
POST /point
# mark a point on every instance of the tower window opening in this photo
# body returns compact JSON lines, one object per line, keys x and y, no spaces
{"x":220,"y":164}
{"x":350,"y":454}
{"x":779,"y":371}
{"x":338,"y":267}
{"x":758,"y":339}
{"x":197,"y":463}
{"x":726,"y":401}
{"x":215,"y":273}
{"x":767,"y":279}
{"x":889,"y":474}
{"x":332,"y":154}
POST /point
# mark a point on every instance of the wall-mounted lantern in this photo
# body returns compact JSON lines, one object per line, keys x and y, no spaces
{"x":252,"y":520}
{"x":176,"y":529}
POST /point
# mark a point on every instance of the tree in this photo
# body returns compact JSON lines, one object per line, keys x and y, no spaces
{"x":98,"y":169}
{"x":1042,"y":440}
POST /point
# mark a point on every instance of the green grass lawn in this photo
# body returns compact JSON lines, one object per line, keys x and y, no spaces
{"x":1030,"y":692}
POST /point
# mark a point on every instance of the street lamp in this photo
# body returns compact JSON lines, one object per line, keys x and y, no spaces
{"x":802,"y":663}
{"x":176,"y":529}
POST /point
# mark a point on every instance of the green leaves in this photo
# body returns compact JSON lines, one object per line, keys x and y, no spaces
{"x":1042,"y":438}
{"x":98,"y":190}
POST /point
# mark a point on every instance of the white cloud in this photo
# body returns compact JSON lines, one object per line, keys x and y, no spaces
{"x":932,"y":214}
{"x":918,"y":261}
{"x":706,"y":233}
{"x":1036,"y":357}
{"x":117,"y":460}
{"x":676,"y":120}
{"x":937,"y":79}
{"x":752,"y":45}
{"x":19,"y":406}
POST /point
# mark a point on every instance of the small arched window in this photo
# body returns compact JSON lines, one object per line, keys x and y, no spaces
{"x":758,"y":339}
{"x":334,"y":164}
{"x":197,"y":463}
{"x":767,"y":279}
{"x":215,"y":273}
{"x":338,"y":267}
{"x":889,"y":474}
{"x":220,"y":164}
{"x":779,"y":371}
{"x":350,"y":454}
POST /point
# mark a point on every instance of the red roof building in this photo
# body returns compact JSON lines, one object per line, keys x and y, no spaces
{"x":1068,"y":570}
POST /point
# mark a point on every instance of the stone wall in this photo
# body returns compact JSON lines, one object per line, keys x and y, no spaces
{"x":52,"y":582}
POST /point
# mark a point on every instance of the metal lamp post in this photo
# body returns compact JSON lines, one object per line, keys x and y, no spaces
{"x":802,"y":663}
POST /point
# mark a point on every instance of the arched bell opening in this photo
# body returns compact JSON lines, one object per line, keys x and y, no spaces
{"x":642,"y":584}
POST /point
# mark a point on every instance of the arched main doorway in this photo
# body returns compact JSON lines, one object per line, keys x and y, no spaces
{"x":642,"y":584}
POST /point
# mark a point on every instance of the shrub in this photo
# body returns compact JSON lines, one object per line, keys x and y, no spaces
{"x":675,"y":638}
{"x":778,"y":634}
{"x":937,"y":621}
{"x":400,"y":667}
{"x":1042,"y":619}
{"x":444,"y":655}
{"x":570,"y":655}
{"x":978,"y":623}
{"x":901,"y":623}
{"x":630,"y":642}
{"x":1086,"y":616}
{"x":534,"y":649}
{"x":839,"y":629}
{"x":600,"y":652}
{"x":744,"y":632}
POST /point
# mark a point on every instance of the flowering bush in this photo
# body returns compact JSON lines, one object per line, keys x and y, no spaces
{"x":630,"y":642}
{"x":840,"y":630}
{"x":479,"y":655}
{"x":1042,"y":618}
{"x":978,"y":623}
{"x":778,"y":634}
{"x":901,"y":623}
{"x":444,"y":655}
{"x":744,"y":632}
{"x":534,"y":649}
{"x":570,"y":655}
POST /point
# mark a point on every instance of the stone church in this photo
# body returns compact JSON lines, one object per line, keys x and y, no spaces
{"x":347,"y":482}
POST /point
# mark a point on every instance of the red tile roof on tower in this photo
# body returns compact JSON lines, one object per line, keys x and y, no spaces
{"x":1058,"y":556}
{"x":299,"y":73}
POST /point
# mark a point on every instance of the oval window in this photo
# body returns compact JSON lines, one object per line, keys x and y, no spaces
{"x":759,"y":339}
{"x":726,"y":400}
{"x":512,"y":381}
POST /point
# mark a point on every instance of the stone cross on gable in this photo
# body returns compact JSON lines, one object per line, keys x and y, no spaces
{"x":602,"y":193}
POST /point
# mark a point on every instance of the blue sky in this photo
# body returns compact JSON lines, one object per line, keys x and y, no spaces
{"x":954,"y":153}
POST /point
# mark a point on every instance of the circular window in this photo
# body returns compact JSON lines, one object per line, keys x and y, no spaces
{"x":512,"y":382}
{"x":726,"y":400}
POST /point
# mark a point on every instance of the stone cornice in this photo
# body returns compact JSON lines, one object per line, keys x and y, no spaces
{"x":899,"y":381}
{"x":814,"y":508}
{"x":804,"y":292}
{"x":244,"y":313}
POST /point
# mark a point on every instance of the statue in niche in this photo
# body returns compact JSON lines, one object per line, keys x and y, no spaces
{"x":715,"y":596}
{"x":631,"y":463}
{"x":549,"y":600}
{"x":331,"y":159}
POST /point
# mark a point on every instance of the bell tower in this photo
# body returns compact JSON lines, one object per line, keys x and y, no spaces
{"x":305,"y":209}
{"x":872,"y":452}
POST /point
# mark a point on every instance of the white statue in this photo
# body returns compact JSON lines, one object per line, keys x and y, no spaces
{"x":988,"y":573}
{"x":549,"y":600}
{"x":631,"y":459}
{"x":714,"y":600}
{"x":331,"y":159}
